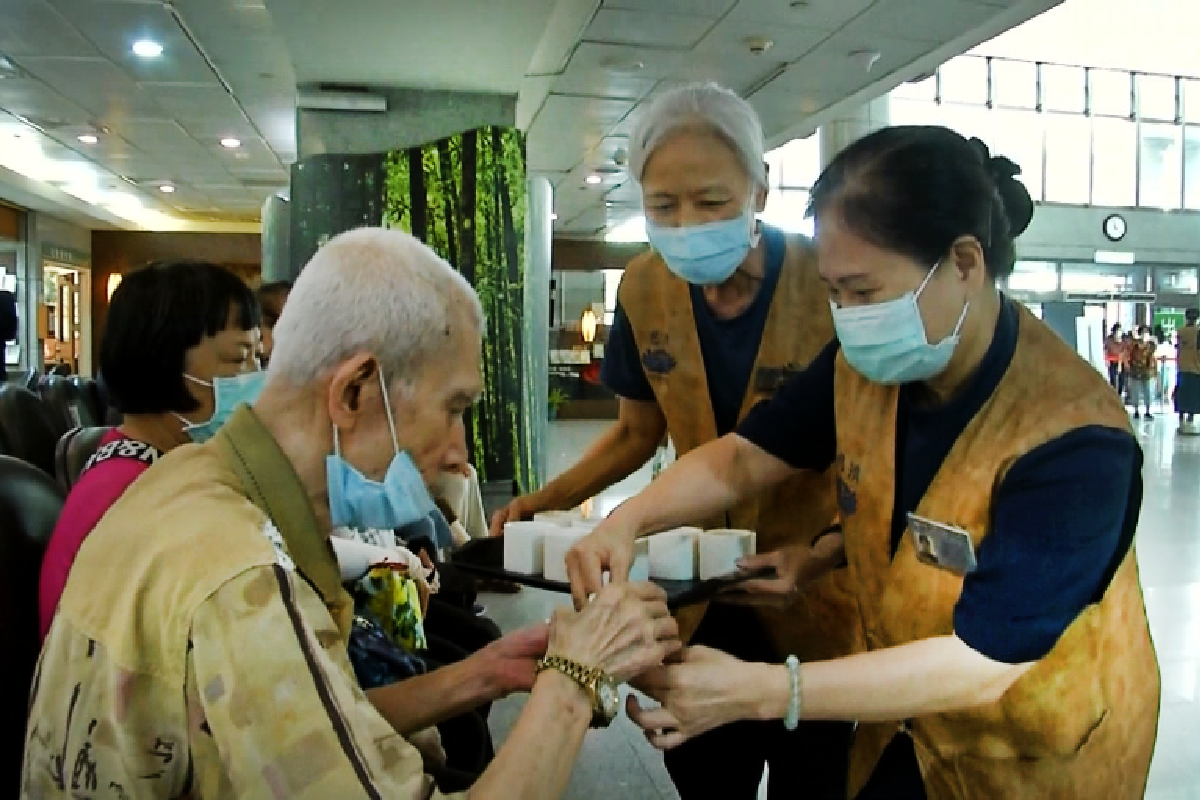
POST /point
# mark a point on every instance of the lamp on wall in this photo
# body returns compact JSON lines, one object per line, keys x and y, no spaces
{"x":114,"y":280}
{"x":587,"y":325}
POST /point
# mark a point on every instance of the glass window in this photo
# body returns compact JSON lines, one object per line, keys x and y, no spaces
{"x":1156,"y":98}
{"x":1191,"y":101}
{"x":1014,"y":83}
{"x":1183,"y":281}
{"x":1034,"y":276}
{"x":917,"y":90}
{"x":965,"y":80}
{"x":1161,"y":166}
{"x":798,"y":164}
{"x":1110,"y":92}
{"x":1114,"y":162}
{"x":1191,"y":168}
{"x":785,"y":210}
{"x":913,"y":112}
{"x":1018,"y":135}
{"x":1062,"y":88}
{"x":967,"y":120}
{"x":1068,"y":158}
{"x":8,"y":282}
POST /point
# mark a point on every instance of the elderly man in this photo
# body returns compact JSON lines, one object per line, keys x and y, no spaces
{"x":200,"y":646}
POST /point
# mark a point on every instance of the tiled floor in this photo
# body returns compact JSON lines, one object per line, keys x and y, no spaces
{"x":618,"y":762}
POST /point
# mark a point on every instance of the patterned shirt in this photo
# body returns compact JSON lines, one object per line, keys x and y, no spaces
{"x":199,"y":649}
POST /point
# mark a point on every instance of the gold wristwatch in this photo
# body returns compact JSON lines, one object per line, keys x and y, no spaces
{"x":600,"y":686}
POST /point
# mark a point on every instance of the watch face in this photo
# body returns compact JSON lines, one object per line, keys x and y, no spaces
{"x":608,"y":697}
{"x":1114,"y":227}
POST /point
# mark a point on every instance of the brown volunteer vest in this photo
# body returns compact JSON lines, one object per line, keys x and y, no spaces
{"x":1189,"y":352}
{"x":1081,"y":723}
{"x":824,"y":622}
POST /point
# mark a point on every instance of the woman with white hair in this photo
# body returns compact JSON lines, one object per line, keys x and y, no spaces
{"x":709,"y":322}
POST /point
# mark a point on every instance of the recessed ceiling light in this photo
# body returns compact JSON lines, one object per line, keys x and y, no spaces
{"x":147,"y":48}
{"x":231,"y":143}
{"x":593,"y":179}
{"x":166,"y":188}
{"x":88,"y":138}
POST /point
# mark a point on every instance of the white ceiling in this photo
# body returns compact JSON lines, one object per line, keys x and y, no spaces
{"x":580,"y":68}
{"x":224,"y":72}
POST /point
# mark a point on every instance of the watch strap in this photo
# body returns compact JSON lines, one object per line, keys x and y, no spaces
{"x":588,"y":678}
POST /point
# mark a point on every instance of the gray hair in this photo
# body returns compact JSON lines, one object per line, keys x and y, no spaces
{"x":375,"y":290}
{"x":706,"y":105}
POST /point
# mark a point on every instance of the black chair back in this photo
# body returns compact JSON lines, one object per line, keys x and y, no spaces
{"x":93,"y":402}
{"x":74,"y":449}
{"x":30,"y":503}
{"x":26,"y":427}
{"x":68,"y":407}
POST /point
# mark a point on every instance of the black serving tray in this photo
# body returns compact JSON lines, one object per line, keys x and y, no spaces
{"x":485,"y":558}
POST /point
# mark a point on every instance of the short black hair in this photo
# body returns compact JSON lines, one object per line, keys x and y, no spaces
{"x":271,"y":297}
{"x":156,"y":315}
{"x":915,"y":189}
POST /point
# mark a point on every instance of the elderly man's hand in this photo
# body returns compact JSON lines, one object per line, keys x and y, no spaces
{"x":510,"y":662}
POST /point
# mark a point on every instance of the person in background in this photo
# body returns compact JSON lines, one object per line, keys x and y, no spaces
{"x":1187,"y":388}
{"x":174,"y":332}
{"x":458,"y":486}
{"x":10,"y":324}
{"x":271,"y":298}
{"x":1112,"y":356}
{"x":216,"y":666}
{"x":1012,"y":658}
{"x":1164,"y":353}
{"x":708,"y":323}
{"x":1143,"y":368}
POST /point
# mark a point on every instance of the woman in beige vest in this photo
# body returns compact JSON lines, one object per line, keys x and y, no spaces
{"x":709,"y":323}
{"x":989,"y":488}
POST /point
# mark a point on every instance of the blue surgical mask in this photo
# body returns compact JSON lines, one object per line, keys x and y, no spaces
{"x":886,"y":342}
{"x":705,"y":254}
{"x":356,"y":501}
{"x":228,"y":393}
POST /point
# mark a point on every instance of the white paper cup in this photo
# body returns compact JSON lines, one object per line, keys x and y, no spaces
{"x":672,"y":554}
{"x":557,"y":543}
{"x":720,"y":550}
{"x":524,"y":544}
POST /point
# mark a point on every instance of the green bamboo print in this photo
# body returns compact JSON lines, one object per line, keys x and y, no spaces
{"x":464,"y":196}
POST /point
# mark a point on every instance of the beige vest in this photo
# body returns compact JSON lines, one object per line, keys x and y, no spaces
{"x":824,"y":622}
{"x":1189,"y":356}
{"x":1081,"y":723}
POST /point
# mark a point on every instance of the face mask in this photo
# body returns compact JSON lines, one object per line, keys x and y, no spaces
{"x":705,"y":254}
{"x":886,"y":342}
{"x":355,"y":501}
{"x":228,"y":394}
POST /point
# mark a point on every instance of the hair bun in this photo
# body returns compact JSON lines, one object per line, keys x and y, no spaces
{"x":1018,"y":205}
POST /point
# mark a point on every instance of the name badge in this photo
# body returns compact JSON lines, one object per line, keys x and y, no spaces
{"x":942,"y":545}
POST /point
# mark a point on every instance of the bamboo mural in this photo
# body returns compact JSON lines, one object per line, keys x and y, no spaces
{"x":464,"y":196}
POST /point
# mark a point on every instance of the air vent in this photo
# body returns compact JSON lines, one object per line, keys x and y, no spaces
{"x":607,"y":170}
{"x":263,"y":183}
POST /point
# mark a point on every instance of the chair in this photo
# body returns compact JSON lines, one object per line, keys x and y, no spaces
{"x":93,"y":401}
{"x":26,"y":428}
{"x":67,"y":405}
{"x":30,"y":503}
{"x":74,"y":449}
{"x":30,"y":380}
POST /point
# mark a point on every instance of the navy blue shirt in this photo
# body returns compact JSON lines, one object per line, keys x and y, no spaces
{"x":729,"y":347}
{"x":1059,"y":530}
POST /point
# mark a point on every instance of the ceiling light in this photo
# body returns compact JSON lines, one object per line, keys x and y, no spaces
{"x":147,"y":48}
{"x":553,"y":216}
{"x":231,"y":143}
{"x":593,"y":179}
{"x":88,"y":138}
{"x":166,"y":188}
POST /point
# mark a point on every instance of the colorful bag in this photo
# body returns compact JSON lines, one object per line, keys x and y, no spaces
{"x":376,"y":659}
{"x":389,"y":596}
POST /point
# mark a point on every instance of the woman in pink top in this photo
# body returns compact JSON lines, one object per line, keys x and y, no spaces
{"x":171,"y":329}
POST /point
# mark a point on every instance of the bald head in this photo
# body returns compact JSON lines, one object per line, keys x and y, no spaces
{"x":378,"y":291}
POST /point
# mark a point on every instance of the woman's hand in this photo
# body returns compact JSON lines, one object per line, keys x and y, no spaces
{"x":607,"y":548}
{"x":796,"y":566}
{"x":625,"y":630}
{"x":705,"y":690}
{"x":521,"y":508}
